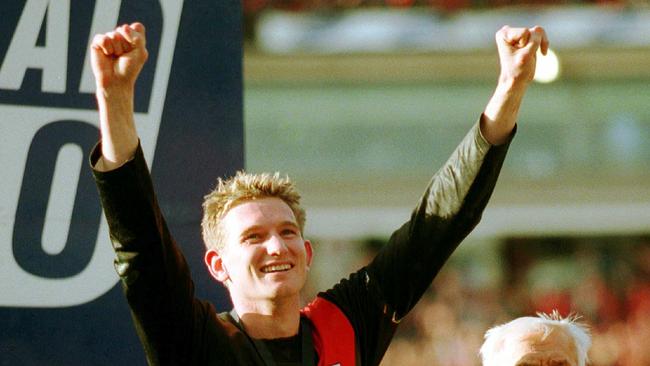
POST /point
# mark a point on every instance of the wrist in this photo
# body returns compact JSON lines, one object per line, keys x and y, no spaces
{"x":509,"y":85}
{"x":115,"y":93}
{"x":114,"y":103}
{"x":501,"y":112}
{"x":507,"y":95}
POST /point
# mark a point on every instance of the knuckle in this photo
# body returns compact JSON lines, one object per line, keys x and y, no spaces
{"x":538,"y":30}
{"x":103,"y":40}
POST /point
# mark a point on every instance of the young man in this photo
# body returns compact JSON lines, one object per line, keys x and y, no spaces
{"x":253,"y":228}
{"x":545,"y":340}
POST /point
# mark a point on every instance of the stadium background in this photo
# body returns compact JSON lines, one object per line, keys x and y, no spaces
{"x":360,"y":102}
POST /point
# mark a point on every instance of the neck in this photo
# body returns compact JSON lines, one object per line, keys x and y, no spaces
{"x":270,"y":319}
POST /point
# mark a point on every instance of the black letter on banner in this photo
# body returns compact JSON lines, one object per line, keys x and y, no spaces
{"x":34,"y":196}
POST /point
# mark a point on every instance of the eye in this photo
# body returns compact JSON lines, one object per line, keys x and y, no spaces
{"x":289,"y":232}
{"x":253,"y":238}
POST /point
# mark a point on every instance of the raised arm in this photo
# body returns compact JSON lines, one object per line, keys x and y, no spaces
{"x":453,"y":203}
{"x":117,"y":58}
{"x":517,"y":55}
{"x":153,"y":271}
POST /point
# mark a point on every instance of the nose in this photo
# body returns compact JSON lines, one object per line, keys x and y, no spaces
{"x":275,"y":246}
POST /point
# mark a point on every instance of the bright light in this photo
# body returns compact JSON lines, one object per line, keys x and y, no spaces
{"x":548,"y":67}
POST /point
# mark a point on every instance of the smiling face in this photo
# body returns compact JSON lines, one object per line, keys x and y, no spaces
{"x":265,"y":256}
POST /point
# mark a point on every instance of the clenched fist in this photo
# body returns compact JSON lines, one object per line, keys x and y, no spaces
{"x":518,"y":58}
{"x":118,"y":56}
{"x":517,"y":52}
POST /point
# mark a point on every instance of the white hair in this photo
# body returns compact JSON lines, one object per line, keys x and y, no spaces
{"x":491,"y":350}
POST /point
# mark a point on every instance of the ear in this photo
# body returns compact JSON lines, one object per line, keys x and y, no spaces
{"x":214,"y":261}
{"x":310,"y":253}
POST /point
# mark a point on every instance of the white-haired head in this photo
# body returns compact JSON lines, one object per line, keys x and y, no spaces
{"x":527,"y":340}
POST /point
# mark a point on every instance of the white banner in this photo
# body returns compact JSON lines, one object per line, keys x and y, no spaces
{"x":31,"y":134}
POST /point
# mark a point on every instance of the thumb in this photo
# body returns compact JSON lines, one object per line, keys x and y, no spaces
{"x":134,"y":34}
{"x":537,"y":37}
{"x":514,"y":37}
{"x":138,"y":27}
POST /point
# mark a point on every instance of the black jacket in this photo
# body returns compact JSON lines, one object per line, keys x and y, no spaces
{"x":178,"y":329}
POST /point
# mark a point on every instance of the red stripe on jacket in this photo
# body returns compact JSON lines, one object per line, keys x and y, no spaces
{"x":334,"y":338}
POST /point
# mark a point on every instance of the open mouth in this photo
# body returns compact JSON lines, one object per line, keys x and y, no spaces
{"x":273,"y":268}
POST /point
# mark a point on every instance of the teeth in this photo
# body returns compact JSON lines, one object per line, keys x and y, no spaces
{"x":276,"y":268}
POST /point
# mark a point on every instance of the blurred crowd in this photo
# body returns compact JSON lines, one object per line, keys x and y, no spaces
{"x":609,"y":286}
{"x":605,"y":280}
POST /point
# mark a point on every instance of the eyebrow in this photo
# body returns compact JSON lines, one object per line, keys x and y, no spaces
{"x":249,"y":230}
{"x":255,"y":228}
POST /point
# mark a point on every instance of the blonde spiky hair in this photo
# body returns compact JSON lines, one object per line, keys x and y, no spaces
{"x":244,"y":187}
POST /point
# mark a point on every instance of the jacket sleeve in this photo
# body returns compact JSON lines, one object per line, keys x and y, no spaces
{"x":377,"y":296}
{"x":153,"y":272}
{"x":449,"y":209}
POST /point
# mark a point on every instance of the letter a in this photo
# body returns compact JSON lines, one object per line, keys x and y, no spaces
{"x":23,"y":53}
